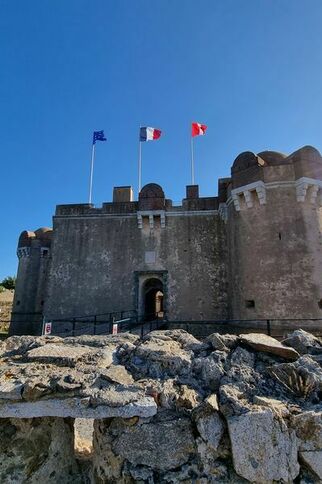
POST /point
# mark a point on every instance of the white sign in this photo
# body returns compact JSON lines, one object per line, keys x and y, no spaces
{"x":115,"y":328}
{"x":47,"y":328}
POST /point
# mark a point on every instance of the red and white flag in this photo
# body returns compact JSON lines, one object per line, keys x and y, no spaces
{"x":149,"y":134}
{"x":198,"y":129}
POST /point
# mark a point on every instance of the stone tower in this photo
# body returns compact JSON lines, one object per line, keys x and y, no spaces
{"x":33,"y":255}
{"x":274,"y":235}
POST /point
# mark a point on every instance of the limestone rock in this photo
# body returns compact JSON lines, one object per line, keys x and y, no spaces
{"x":211,"y":369}
{"x":117,"y":395}
{"x":279,"y":408}
{"x":242,"y":357}
{"x":211,"y":428}
{"x":159,"y":403}
{"x":19,"y":345}
{"x":212,"y":401}
{"x":186,"y":340}
{"x":166,"y":394}
{"x":313,"y":460}
{"x":161,"y":445}
{"x":64,"y":355}
{"x":262,"y":342}
{"x":159,"y":357}
{"x":117,"y":374}
{"x":111,"y":405}
{"x":102,"y":341}
{"x":37,"y":451}
{"x":33,"y":390}
{"x":308,"y":428}
{"x":107,"y":466}
{"x":173,"y":395}
{"x":187,"y":398}
{"x":222,"y":342}
{"x":262,"y":450}
{"x":302,"y":341}
{"x":83,"y":431}
{"x":232,"y":401}
{"x":11,"y":390}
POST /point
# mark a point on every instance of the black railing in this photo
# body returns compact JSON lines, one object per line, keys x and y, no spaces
{"x":128,"y":321}
{"x":95,"y":324}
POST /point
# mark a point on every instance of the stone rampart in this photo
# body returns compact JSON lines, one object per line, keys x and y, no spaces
{"x":167,"y":408}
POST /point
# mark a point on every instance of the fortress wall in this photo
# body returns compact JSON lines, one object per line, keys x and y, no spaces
{"x":98,"y":264}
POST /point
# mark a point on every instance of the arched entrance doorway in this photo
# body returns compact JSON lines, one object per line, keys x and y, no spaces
{"x":153,"y":299}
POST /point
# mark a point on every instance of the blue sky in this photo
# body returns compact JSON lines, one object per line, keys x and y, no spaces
{"x":249,"y":69}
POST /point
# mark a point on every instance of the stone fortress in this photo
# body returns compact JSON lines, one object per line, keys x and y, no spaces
{"x":254,"y":251}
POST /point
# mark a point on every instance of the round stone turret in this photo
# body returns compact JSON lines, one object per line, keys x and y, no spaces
{"x":274,"y":235}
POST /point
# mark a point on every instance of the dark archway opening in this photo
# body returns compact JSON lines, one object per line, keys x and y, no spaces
{"x":153,"y":299}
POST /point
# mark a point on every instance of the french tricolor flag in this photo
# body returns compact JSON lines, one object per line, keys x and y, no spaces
{"x":149,"y":134}
{"x":198,"y":129}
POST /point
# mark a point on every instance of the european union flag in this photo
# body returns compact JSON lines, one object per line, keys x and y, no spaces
{"x":98,"y":136}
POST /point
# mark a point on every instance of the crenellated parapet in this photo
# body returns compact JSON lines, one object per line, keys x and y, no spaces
{"x":39,"y":239}
{"x":308,"y":189}
{"x":247,"y":195}
{"x":254,"y":175}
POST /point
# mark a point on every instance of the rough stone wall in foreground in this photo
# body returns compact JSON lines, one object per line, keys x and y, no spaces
{"x":37,"y":450}
{"x":167,"y":408}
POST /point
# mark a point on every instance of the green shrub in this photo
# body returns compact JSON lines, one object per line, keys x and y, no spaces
{"x":9,"y":282}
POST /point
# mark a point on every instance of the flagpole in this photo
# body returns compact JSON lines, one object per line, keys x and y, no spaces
{"x":91,"y":175}
{"x":140,"y":164}
{"x":192,"y":164}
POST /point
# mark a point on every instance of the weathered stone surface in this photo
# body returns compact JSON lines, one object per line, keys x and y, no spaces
{"x":37,"y":451}
{"x":262,"y":342}
{"x":313,"y":459}
{"x":11,"y":390}
{"x":211,"y":428}
{"x":161,"y":445}
{"x":173,"y":395}
{"x":279,"y":408}
{"x":107,"y":467}
{"x":158,"y":357}
{"x":302,"y":341}
{"x":308,"y":428}
{"x":242,"y":357}
{"x":64,"y":355}
{"x":263,"y":451}
{"x":110,"y":406}
{"x":212,"y":401}
{"x":83,"y":432}
{"x":19,"y":345}
{"x":102,"y":341}
{"x":211,"y":369}
{"x":232,"y":401}
{"x":186,"y":340}
{"x":117,"y":374}
{"x":161,"y":405}
{"x":222,"y":342}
